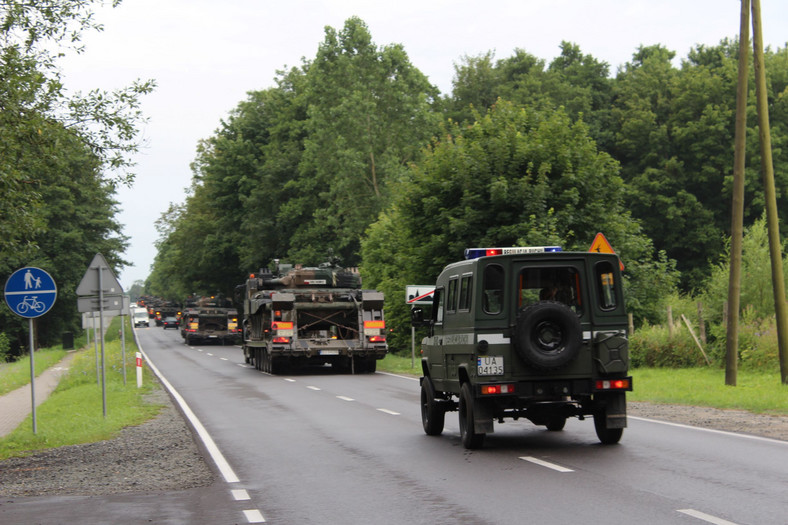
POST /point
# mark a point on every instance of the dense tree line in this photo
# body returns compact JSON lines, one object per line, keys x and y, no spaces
{"x":354,"y":155}
{"x":61,"y":158}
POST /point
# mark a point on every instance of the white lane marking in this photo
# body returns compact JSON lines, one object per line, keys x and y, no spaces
{"x":240,"y":495}
{"x":217,"y":456}
{"x":208,"y":353}
{"x":713,"y":431}
{"x":387,"y":411}
{"x":412,"y":378}
{"x":243,"y":365}
{"x":224,"y":359}
{"x":553,"y":466}
{"x":290,"y":380}
{"x":313,"y":388}
{"x":345,"y":398}
{"x":705,"y":517}
{"x":254,"y":516}
{"x":198,"y":349}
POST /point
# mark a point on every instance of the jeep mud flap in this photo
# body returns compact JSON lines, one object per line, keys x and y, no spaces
{"x":482,"y":416}
{"x":615,"y":409}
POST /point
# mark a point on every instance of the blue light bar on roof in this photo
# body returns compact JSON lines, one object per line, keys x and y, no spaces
{"x":474,"y":253}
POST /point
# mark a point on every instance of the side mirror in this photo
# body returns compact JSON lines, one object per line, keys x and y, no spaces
{"x":417,"y":317}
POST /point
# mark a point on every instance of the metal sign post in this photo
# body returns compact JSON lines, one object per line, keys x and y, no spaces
{"x":30,"y":292}
{"x":99,"y":290}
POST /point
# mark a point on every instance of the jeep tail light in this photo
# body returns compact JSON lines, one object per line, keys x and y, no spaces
{"x":497,"y":389}
{"x":614,"y":384}
{"x":282,"y":340}
{"x":377,"y":339}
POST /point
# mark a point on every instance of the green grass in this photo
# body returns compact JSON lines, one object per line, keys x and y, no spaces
{"x":758,"y":392}
{"x":73,"y":414}
{"x":17,"y":374}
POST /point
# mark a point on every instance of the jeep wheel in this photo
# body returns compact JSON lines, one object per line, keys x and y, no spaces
{"x":548,"y":335}
{"x":432,"y":414}
{"x":607,"y":436}
{"x":470,"y":439}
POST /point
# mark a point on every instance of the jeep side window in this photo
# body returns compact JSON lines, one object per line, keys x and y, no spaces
{"x":451,"y":298}
{"x":492,"y":294}
{"x":606,"y":286}
{"x":550,"y":284}
{"x":465,"y":293}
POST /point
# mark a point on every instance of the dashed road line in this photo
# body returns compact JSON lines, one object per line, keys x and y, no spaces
{"x":547,"y":464}
{"x":345,"y":398}
{"x":254,"y":516}
{"x":705,"y":517}
{"x":240,"y":495}
{"x":387,"y":411}
{"x":315,"y":388}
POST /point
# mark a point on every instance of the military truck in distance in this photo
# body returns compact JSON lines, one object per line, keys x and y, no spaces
{"x":295,"y":317}
{"x":210,"y":319}
{"x":531,"y":332}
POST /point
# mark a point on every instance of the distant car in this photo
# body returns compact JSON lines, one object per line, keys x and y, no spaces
{"x":170,"y":322}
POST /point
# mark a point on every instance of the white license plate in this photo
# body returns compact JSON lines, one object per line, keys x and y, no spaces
{"x":490,"y":365}
{"x":329,"y":352}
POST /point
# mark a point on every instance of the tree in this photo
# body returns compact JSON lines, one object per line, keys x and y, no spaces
{"x":516,"y":177}
{"x":50,"y":143}
{"x":368,"y":117}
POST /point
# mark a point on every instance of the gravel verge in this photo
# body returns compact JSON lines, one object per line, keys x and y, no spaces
{"x":161,"y":455}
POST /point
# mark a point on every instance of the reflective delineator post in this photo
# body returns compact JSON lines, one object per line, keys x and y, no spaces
{"x":139,"y":370}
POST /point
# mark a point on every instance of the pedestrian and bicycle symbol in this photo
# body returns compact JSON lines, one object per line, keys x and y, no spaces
{"x":30,"y":292}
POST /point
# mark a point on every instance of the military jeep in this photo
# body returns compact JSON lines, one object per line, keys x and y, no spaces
{"x":531,"y":332}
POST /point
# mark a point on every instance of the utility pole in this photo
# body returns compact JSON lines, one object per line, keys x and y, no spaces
{"x":772,"y":221}
{"x":737,"y":206}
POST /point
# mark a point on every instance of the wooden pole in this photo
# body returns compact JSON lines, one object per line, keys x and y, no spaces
{"x":770,"y":194}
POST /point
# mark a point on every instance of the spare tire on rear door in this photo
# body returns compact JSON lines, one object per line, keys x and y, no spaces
{"x":548,"y":335}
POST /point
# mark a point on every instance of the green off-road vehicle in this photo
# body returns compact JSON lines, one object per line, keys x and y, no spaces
{"x":530,"y":332}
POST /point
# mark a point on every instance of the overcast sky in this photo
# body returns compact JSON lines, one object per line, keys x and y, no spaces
{"x":206,"y":55}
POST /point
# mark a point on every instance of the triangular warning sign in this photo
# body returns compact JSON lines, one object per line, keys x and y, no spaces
{"x":601,"y":245}
{"x":89,"y":285}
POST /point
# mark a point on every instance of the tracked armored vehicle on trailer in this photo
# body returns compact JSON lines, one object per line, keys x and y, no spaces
{"x":298,"y":317}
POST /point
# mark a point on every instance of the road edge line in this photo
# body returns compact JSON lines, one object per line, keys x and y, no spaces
{"x":218,"y":458}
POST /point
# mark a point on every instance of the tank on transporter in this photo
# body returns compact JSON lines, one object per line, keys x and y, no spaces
{"x":297,"y":317}
{"x":210,"y":319}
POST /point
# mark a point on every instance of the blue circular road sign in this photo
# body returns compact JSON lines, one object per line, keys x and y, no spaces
{"x":30,"y":292}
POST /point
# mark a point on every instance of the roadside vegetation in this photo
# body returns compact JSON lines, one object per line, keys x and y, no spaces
{"x":758,"y":392}
{"x":73,"y":414}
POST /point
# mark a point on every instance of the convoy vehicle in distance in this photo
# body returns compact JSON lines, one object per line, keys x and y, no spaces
{"x":294,"y":317}
{"x":210,"y":319}
{"x":140,"y":316}
{"x":531,"y":332}
{"x":170,"y":322}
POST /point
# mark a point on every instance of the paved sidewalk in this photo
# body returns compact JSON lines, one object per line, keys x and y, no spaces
{"x":16,"y":405}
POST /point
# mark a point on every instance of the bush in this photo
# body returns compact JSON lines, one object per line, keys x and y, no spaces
{"x":652,"y":346}
{"x":5,"y":346}
{"x":758,"y":347}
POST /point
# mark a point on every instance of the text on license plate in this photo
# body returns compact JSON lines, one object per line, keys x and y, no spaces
{"x":490,"y":365}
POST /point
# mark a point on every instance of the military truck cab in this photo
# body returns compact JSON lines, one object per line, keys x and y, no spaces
{"x":530,"y":332}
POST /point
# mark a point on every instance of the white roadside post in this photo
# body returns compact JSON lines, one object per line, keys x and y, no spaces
{"x":139,"y":370}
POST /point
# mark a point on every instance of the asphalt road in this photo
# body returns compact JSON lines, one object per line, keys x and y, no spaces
{"x":319,"y":447}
